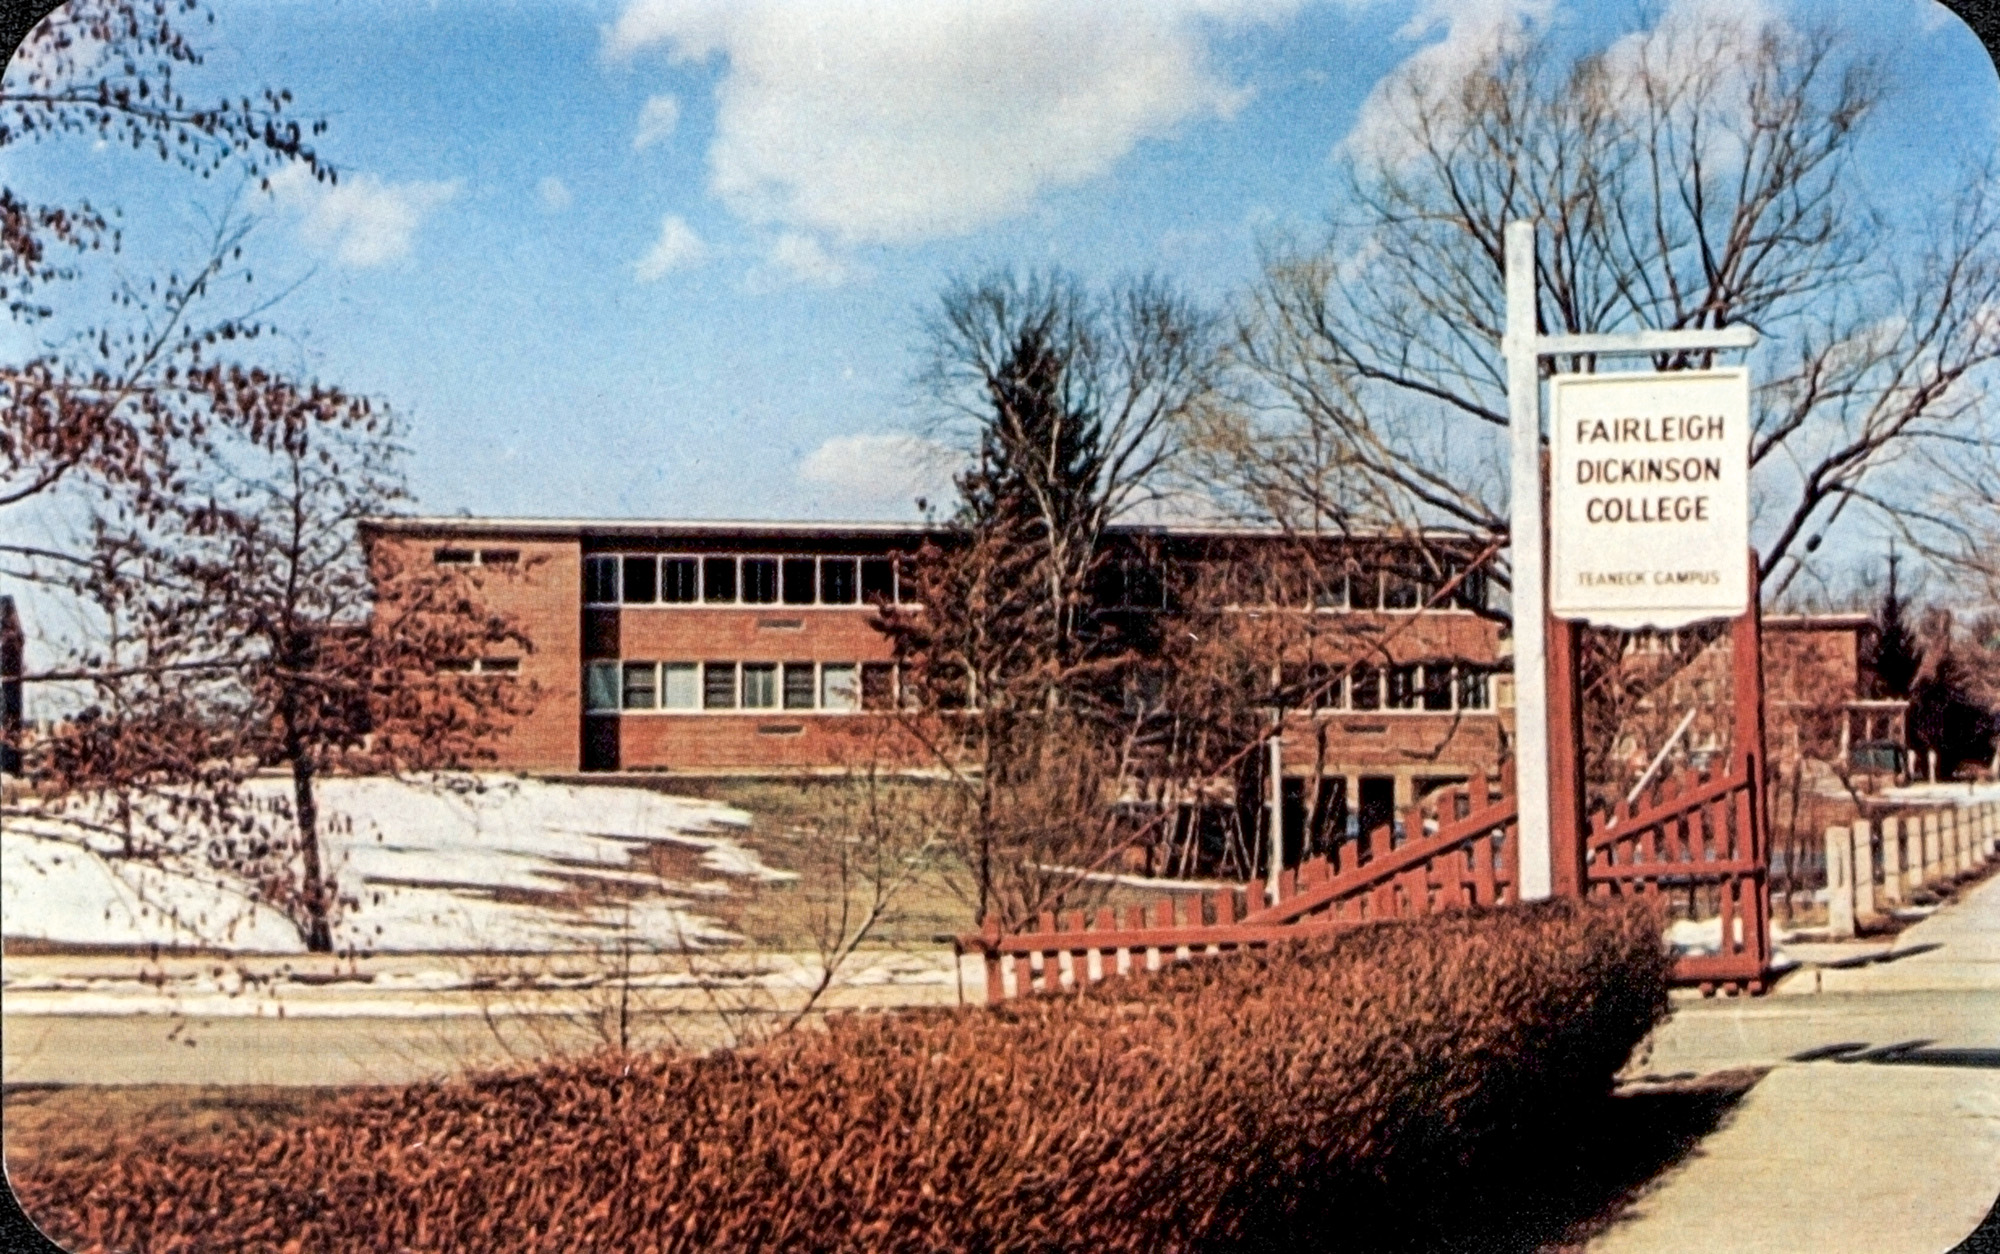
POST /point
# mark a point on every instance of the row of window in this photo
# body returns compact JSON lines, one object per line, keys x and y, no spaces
{"x":481,"y":666}
{"x":477,"y":557}
{"x":846,"y":686}
{"x":1141,"y":586}
{"x":836,"y":687}
{"x":1438,"y":686}
{"x":739,"y":579}
{"x":734,"y":579}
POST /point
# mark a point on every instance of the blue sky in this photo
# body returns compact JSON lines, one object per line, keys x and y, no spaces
{"x":669,"y":258}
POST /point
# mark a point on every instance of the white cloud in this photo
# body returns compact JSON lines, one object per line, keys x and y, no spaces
{"x":1708,"y":39}
{"x":657,"y":121}
{"x":879,"y":472}
{"x":362,"y":219}
{"x":677,"y":248}
{"x":553,"y":194}
{"x":902,"y":119}
{"x":1710,"y":42}
{"x":1462,"y":32}
{"x":801,"y":259}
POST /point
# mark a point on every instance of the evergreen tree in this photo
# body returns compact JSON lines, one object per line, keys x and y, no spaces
{"x":1946,"y":718}
{"x":1895,"y":656}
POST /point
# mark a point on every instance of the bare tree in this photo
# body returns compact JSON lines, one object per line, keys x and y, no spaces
{"x":1071,"y":399}
{"x":1691,"y":175}
{"x":249,"y":626}
{"x":1071,"y":402}
{"x":105,"y":398}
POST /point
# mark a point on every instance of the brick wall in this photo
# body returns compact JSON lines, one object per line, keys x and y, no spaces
{"x":540,"y":590}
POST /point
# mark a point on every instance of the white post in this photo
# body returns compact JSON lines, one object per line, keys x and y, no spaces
{"x":1840,"y":883}
{"x":1864,"y":872}
{"x":1933,"y":867}
{"x":1892,"y":862}
{"x":1525,"y":535}
{"x":1277,"y":859}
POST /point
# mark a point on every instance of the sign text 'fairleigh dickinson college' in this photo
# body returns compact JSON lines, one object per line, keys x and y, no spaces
{"x":1649,"y":518}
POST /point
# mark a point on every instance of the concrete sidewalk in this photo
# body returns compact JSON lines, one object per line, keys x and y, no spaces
{"x":1877,"y":1132}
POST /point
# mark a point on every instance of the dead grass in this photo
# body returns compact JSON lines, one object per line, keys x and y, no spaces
{"x":787,"y":819}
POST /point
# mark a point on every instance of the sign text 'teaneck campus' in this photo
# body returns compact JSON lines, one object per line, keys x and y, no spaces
{"x":1649,"y":520}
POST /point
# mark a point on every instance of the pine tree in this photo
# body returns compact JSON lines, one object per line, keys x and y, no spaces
{"x":1945,"y":716}
{"x":1895,"y":657}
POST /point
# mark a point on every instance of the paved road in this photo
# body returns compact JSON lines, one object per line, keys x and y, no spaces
{"x":292,"y":1021}
{"x":1878,"y":1132}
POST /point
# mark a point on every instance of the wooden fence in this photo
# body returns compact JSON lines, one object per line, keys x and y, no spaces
{"x":1873,"y":867}
{"x":1702,"y":848}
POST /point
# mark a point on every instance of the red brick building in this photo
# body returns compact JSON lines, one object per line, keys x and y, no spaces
{"x":709,"y":647}
{"x":748,"y":648}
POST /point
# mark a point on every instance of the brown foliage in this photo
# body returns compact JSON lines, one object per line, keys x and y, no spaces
{"x":1317,"y":1089}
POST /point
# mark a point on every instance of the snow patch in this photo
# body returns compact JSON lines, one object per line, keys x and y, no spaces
{"x":447,"y":864}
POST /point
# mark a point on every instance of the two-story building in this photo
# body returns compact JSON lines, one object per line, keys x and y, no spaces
{"x":748,"y":647}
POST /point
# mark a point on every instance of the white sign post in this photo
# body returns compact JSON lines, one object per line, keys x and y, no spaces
{"x":1649,"y":499}
{"x":1524,"y":347}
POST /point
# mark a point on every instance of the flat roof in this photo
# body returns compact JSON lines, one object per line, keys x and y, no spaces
{"x":463,"y":524}
{"x":458,"y":524}
{"x":1849,"y":619}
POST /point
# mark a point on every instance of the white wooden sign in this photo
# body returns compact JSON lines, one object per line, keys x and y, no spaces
{"x":1649,"y":497}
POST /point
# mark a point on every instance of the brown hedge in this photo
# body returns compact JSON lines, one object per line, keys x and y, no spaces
{"x":1325,"y":1087}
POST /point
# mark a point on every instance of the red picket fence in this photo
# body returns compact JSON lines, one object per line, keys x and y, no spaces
{"x":1468,"y":860}
{"x":1702,"y":847}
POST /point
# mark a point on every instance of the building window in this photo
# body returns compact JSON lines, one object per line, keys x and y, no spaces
{"x":680,"y":580}
{"x":799,"y":685}
{"x":1471,"y":591}
{"x":642,"y":581}
{"x":837,"y":582}
{"x":839,"y":687}
{"x":1365,"y":688}
{"x":878,"y":581}
{"x":798,"y":581}
{"x":1321,"y":687}
{"x":1329,"y":589}
{"x":1402,"y":688}
{"x":1400,"y":592}
{"x":718,"y":580}
{"x":1437,"y":687}
{"x":1474,"y":692}
{"x":680,"y":686}
{"x":600,"y":686}
{"x":1364,"y":591}
{"x":1144,"y":588}
{"x":718,"y":685}
{"x":878,"y":685}
{"x":600,"y":580}
{"x":456,"y":557}
{"x":500,"y":666}
{"x":760,"y":580}
{"x":641,"y":680}
{"x":760,"y":685}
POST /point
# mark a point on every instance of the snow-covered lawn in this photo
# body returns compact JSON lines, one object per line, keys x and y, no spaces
{"x":1963,"y":794}
{"x":458,"y":864}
